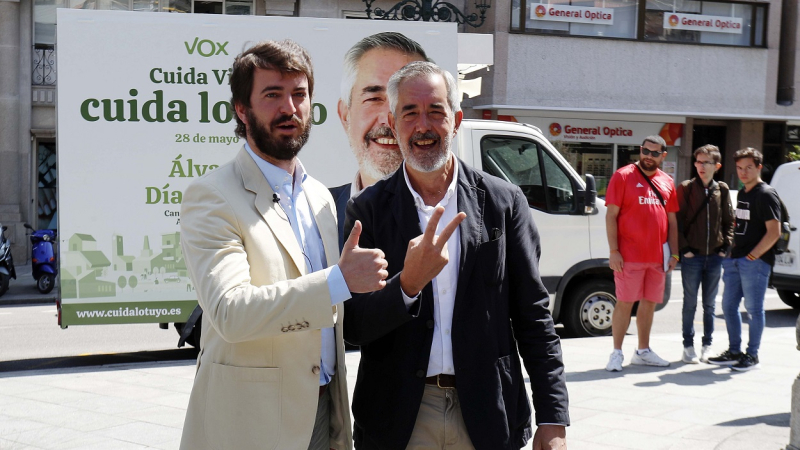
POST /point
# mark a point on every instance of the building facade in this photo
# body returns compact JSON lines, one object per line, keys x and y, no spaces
{"x":597,"y":75}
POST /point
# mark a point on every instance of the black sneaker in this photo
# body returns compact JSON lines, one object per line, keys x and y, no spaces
{"x":748,"y":362}
{"x":727,"y":358}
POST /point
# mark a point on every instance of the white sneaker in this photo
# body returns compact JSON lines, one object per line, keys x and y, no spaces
{"x":615,"y":361}
{"x":648,"y":358}
{"x":689,"y":356}
{"x":705,"y":353}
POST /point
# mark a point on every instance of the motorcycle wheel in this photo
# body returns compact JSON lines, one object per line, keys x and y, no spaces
{"x":45,"y":283}
{"x":3,"y":283}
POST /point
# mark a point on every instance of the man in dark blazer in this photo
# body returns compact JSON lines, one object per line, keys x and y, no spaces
{"x":440,"y":344}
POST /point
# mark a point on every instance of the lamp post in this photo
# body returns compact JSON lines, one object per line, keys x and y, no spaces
{"x":428,"y":10}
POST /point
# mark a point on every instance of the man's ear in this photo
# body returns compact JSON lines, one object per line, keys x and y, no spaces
{"x":241,"y":112}
{"x":344,"y":113}
{"x":459,"y":116}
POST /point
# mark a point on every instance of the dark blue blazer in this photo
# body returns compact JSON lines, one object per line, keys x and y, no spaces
{"x":340,"y":194}
{"x":500,"y":312}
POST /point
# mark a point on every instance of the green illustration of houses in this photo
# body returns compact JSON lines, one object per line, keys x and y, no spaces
{"x":81,"y":266}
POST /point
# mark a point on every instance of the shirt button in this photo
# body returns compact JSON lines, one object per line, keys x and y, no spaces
{"x":447,"y":332}
{"x":315,"y":370}
{"x":420,"y":373}
{"x":429,"y":323}
{"x":444,"y":291}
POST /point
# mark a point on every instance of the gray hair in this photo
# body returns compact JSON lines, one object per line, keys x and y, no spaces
{"x":418,"y":69}
{"x":389,"y":40}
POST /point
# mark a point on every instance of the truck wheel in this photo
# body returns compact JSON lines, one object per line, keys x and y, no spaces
{"x":45,"y":283}
{"x":791,"y":298}
{"x":3,"y":283}
{"x":589,"y":309}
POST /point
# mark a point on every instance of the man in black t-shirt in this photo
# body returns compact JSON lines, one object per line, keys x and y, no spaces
{"x":758,"y":214}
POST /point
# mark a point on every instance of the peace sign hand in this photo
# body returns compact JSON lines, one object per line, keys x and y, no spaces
{"x":427,"y":254}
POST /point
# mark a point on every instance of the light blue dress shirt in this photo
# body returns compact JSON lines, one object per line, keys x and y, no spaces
{"x":294,"y":204}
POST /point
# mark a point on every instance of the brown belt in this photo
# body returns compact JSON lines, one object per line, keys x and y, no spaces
{"x":322,"y":389}
{"x":442,"y":380}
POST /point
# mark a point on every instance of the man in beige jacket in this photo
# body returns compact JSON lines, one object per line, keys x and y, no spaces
{"x":260,"y":240}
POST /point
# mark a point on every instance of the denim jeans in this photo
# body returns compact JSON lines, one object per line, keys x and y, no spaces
{"x":697,"y":271}
{"x":748,"y":279}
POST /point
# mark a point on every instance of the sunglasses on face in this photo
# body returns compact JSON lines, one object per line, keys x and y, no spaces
{"x":652,"y":153}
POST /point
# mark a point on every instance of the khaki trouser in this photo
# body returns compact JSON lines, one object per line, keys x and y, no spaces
{"x":439,"y":424}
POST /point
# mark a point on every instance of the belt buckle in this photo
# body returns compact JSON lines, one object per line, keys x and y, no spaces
{"x":439,"y":385}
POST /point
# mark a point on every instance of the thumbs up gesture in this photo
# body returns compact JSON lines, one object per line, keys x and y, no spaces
{"x":364,"y":269}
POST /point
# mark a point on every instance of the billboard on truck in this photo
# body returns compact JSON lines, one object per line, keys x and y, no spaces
{"x":142,"y":110}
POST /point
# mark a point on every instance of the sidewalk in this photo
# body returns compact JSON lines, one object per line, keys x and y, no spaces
{"x":137,"y":406}
{"x":22,"y":291}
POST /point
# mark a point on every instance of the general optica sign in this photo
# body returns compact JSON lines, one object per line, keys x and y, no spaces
{"x":697,"y":22}
{"x":575,"y":14}
{"x":604,"y":132}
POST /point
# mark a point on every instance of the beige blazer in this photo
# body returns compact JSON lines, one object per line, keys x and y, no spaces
{"x":257,"y":380}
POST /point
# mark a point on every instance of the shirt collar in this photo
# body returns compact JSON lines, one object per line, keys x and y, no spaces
{"x":277,"y":177}
{"x":451,"y":189}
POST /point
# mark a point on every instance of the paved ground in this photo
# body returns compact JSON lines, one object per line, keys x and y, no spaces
{"x":697,"y":407}
{"x":137,"y":406}
{"x":23,"y":290}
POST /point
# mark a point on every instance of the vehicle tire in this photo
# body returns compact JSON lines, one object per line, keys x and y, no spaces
{"x":589,"y":308}
{"x":791,"y":298}
{"x":194,"y":336}
{"x":45,"y":283}
{"x":3,"y":283}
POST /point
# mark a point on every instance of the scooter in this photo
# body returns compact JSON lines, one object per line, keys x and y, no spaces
{"x":44,"y":258}
{"x":6,"y":261}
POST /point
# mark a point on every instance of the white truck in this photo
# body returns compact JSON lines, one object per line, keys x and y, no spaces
{"x":786,"y":272}
{"x":131,"y":141}
{"x":567,"y":212}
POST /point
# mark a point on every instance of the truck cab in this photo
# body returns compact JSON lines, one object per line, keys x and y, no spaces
{"x":569,"y":216}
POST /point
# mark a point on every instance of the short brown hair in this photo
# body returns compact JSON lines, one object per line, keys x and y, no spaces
{"x":710,"y":150}
{"x":284,"y":56}
{"x":749,"y":152}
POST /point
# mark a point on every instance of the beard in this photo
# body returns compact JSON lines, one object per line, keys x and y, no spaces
{"x":430,"y":160}
{"x":282,"y":148}
{"x":648,"y":164}
{"x":377,"y":163}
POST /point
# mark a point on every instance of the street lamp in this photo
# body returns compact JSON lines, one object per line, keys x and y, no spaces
{"x":427,"y":10}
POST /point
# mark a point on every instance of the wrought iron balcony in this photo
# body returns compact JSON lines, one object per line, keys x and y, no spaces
{"x":44,"y":65}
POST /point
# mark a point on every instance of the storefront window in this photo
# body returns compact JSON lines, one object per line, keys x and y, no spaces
{"x":46,"y":195}
{"x":598,"y":18}
{"x":722,"y":22}
{"x":44,"y":11}
{"x":703,"y":22}
{"x":594,"y":159}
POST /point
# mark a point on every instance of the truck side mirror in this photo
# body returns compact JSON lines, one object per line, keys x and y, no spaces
{"x":590,"y":196}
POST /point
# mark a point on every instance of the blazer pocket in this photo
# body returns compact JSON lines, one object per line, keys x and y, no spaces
{"x":243,"y":407}
{"x":492,"y":260}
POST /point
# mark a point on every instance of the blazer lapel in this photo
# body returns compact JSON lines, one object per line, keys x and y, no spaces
{"x":471,"y":201}
{"x":403,"y":208}
{"x":255,"y":182}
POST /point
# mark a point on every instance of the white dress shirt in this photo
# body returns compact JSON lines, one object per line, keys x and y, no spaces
{"x":294,"y":203}
{"x":444,"y":284}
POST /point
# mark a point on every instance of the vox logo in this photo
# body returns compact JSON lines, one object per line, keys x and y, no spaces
{"x":206,"y":48}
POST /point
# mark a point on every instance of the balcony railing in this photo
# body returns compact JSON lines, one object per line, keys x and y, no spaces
{"x":44,"y":65}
